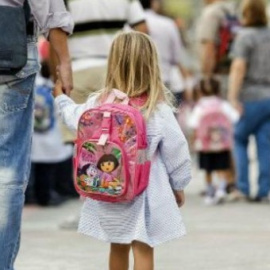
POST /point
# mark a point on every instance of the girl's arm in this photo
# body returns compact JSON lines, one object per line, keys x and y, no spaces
{"x":174,"y":152}
{"x":69,"y":111}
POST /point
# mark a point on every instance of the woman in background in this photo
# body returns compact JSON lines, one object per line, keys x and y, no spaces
{"x":249,"y":93}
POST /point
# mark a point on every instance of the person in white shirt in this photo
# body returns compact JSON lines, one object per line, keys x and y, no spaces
{"x":166,"y":36}
{"x":96,"y":23}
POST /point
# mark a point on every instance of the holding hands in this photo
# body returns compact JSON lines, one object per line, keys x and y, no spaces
{"x":64,"y":76}
{"x":58,"y":88}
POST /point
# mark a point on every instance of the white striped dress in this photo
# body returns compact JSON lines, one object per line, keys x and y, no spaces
{"x":153,"y":217}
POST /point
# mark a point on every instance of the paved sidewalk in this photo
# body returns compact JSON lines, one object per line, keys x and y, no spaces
{"x":227,"y":237}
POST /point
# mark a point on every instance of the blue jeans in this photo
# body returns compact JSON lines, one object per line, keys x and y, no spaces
{"x":255,"y":121}
{"x":16,"y":114}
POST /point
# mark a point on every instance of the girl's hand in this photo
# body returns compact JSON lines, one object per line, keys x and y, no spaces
{"x":180,"y":197}
{"x":58,"y":89}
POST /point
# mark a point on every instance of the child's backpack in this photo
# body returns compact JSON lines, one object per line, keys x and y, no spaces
{"x":214,"y":133}
{"x":111,"y":162}
{"x":227,"y":33}
{"x":44,"y":117}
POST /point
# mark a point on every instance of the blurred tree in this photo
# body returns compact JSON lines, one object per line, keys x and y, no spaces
{"x":182,"y":8}
{"x":187,"y":9}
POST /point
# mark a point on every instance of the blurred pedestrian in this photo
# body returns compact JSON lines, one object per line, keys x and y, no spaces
{"x":218,"y":17}
{"x":153,"y":217}
{"x":16,"y":98}
{"x":166,"y":36}
{"x":216,"y":30}
{"x":212,"y":120}
{"x":48,"y":149}
{"x":249,"y":93}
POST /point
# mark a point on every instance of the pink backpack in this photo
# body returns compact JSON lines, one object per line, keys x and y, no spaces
{"x":214,"y":133}
{"x":111,"y":162}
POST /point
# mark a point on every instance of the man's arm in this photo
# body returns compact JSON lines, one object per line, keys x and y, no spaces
{"x":208,"y":29}
{"x":60,"y":58}
{"x":141,"y":27}
{"x":55,"y":23}
{"x":136,"y":17}
{"x":208,"y":58}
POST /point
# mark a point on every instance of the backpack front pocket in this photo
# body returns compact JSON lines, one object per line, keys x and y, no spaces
{"x":101,"y":171}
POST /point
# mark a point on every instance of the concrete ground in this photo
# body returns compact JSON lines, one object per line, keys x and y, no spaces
{"x":232,"y":236}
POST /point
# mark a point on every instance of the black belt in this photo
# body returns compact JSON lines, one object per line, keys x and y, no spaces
{"x":30,"y":29}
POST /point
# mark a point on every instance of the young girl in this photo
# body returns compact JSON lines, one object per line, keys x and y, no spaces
{"x":153,"y":217}
{"x":215,"y":157}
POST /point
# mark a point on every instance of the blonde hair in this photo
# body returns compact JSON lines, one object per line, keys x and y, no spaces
{"x":254,"y":13}
{"x":133,"y":68}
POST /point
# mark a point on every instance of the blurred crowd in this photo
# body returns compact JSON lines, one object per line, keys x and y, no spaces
{"x":217,"y":68}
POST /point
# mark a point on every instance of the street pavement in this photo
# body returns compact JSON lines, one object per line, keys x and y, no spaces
{"x":233,"y":236}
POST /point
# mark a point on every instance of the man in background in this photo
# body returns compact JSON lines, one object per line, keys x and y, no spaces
{"x":166,"y":36}
{"x":207,"y":35}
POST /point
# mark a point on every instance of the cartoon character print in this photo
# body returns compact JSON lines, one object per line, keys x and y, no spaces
{"x":217,"y":136}
{"x":89,"y":175}
{"x":42,"y":113}
{"x":108,"y":164}
{"x":89,"y":123}
{"x":131,"y":146}
{"x":126,"y":129}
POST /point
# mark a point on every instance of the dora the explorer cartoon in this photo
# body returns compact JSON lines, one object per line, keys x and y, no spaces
{"x":107,"y":164}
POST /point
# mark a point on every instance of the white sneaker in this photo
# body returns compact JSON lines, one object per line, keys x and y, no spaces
{"x":220,"y":196}
{"x":208,"y":200}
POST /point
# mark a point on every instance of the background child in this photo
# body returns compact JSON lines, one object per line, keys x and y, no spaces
{"x":211,"y":121}
{"x":153,"y":217}
{"x":51,"y":170}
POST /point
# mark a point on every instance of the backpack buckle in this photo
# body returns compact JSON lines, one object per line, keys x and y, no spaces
{"x":103,"y":139}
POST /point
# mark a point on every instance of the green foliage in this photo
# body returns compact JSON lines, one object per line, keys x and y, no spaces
{"x":183,"y":8}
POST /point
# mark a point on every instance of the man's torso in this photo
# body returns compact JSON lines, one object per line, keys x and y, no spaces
{"x":96,"y":23}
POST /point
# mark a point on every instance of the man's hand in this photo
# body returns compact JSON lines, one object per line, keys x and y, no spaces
{"x":64,"y":72}
{"x":61,"y":58}
{"x":180,"y":197}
